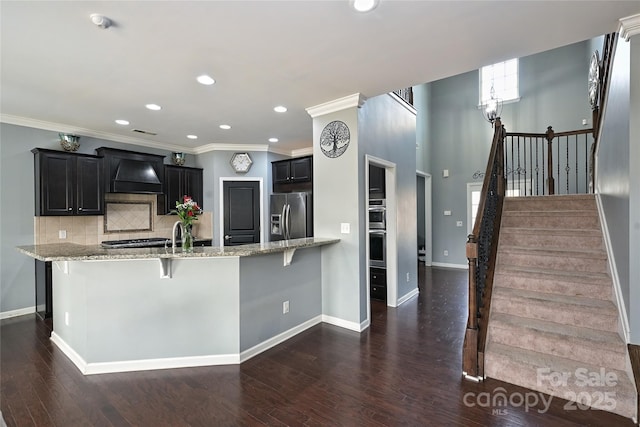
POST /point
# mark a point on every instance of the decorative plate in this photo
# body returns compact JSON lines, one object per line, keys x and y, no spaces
{"x":334,"y":139}
{"x":594,"y":80}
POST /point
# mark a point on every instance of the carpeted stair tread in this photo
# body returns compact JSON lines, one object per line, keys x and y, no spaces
{"x":609,"y":340}
{"x":552,"y":231}
{"x":593,"y":304}
{"x":532,"y":371}
{"x":561,"y":275}
{"x":562,"y":213}
{"x":556,"y":252}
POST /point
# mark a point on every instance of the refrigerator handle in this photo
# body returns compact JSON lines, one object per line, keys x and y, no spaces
{"x":283,"y":222}
{"x":288,"y":221}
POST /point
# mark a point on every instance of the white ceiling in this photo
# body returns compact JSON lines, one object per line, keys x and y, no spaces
{"x":61,"y":72}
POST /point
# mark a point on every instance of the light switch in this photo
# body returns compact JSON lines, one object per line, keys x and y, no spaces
{"x":345,"y":228}
{"x":445,"y":173}
{"x":447,"y":213}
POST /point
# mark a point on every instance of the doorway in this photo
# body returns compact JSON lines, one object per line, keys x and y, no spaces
{"x":423,"y":202}
{"x":241,"y":211}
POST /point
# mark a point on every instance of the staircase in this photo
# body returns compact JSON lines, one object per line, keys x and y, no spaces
{"x":553,"y":327}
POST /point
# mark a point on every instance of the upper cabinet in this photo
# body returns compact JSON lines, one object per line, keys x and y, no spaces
{"x":180,"y":181}
{"x":292,"y":175}
{"x":67,"y":183}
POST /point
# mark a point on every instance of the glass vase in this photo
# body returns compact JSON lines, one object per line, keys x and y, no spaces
{"x":187,"y":240}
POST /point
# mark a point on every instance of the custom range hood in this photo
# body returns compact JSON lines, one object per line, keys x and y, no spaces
{"x":132,"y":172}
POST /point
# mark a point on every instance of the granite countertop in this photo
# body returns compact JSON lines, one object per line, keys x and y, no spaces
{"x":75,"y":252}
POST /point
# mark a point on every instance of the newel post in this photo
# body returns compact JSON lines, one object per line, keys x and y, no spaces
{"x":470,"y":347}
{"x":550,"y":181}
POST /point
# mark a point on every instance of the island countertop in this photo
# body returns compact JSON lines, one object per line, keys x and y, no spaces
{"x":76,"y":252}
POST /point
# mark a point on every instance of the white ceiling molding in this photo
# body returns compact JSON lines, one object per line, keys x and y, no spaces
{"x":630,"y":26}
{"x":230,"y":147}
{"x":350,"y":101}
{"x":64,"y":128}
{"x":302,"y":152}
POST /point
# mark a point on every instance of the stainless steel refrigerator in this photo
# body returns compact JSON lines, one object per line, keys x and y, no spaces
{"x":291,"y":216}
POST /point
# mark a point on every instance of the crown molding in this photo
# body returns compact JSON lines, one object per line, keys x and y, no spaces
{"x":630,"y":26}
{"x":230,"y":147}
{"x":355,"y":100}
{"x":64,"y":128}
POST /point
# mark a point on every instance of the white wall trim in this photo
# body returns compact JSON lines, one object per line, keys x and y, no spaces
{"x":408,"y":296}
{"x":61,"y":127}
{"x":346,"y":324}
{"x":428,"y":217}
{"x":69,"y":352}
{"x":449,"y":265}
{"x":629,"y":26}
{"x":19,"y":312}
{"x":278,"y":339}
{"x":403,"y":103}
{"x":349,"y":101}
{"x":613,"y":271}
{"x":223,"y":179}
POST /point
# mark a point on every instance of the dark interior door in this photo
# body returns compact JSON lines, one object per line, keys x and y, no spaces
{"x":241,"y":212}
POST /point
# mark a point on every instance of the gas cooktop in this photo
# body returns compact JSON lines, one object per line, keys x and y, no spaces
{"x":136,"y":243}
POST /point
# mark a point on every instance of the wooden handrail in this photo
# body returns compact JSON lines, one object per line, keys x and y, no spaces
{"x":481,"y":253}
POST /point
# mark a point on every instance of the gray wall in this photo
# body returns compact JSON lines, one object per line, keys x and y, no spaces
{"x":613,"y":165}
{"x":421,"y":96}
{"x":553,"y":92}
{"x":384,"y":129}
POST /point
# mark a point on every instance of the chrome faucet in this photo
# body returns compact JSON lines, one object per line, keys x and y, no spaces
{"x":173,"y":234}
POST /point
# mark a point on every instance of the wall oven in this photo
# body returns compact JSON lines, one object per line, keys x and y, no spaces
{"x":377,"y":214}
{"x":378,"y":248}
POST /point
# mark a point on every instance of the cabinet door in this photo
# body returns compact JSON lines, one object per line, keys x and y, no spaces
{"x":90,"y":198}
{"x":193,"y":184}
{"x":301,"y":169}
{"x":56,"y":182}
{"x":281,"y":171}
{"x":173,"y":186}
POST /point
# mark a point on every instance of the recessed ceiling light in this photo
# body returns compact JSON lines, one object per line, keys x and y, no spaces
{"x":225,"y":127}
{"x":364,"y":5}
{"x":154,"y":107}
{"x":280,"y":109}
{"x":192,"y":136}
{"x":205,"y":80}
{"x":122,"y":122}
{"x":273,"y":139}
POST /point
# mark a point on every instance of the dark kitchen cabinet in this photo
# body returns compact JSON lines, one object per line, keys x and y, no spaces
{"x":292,"y":175}
{"x":68,"y":183}
{"x":376,"y":182}
{"x":378,"y":283}
{"x":180,"y":181}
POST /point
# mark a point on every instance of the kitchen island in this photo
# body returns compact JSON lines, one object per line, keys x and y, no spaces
{"x":117,"y":310}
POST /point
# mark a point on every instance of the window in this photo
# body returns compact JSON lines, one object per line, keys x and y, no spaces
{"x":473,"y":200}
{"x":504,"y":78}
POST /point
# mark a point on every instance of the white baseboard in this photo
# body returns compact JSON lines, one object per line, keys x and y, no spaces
{"x":406,"y":297}
{"x":19,"y":312}
{"x":177,"y":362}
{"x":448,"y":265}
{"x":278,"y":339}
{"x":613,"y":270}
{"x":358,"y":327}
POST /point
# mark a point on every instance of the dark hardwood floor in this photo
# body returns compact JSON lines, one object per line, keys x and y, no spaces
{"x":404,"y":370}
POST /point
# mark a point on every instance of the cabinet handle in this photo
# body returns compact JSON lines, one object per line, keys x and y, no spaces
{"x":79,"y":209}
{"x":70,"y":209}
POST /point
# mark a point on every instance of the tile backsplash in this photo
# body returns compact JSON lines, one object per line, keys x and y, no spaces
{"x":90,"y":230}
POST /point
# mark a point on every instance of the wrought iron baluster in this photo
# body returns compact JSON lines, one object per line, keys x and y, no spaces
{"x":537,"y":169}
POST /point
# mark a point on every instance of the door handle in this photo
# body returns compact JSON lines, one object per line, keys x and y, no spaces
{"x":227,"y":237}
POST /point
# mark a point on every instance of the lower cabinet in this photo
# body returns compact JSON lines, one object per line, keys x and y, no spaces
{"x":378,"y":283}
{"x":44,"y":304}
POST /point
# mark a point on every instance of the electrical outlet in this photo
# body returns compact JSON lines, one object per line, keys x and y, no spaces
{"x":408,"y":277}
{"x":345,"y":228}
{"x":446,"y":252}
{"x":285,"y":307}
{"x":66,"y":318}
{"x":62,"y":234}
{"x":458,"y":223}
{"x":447,"y":213}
